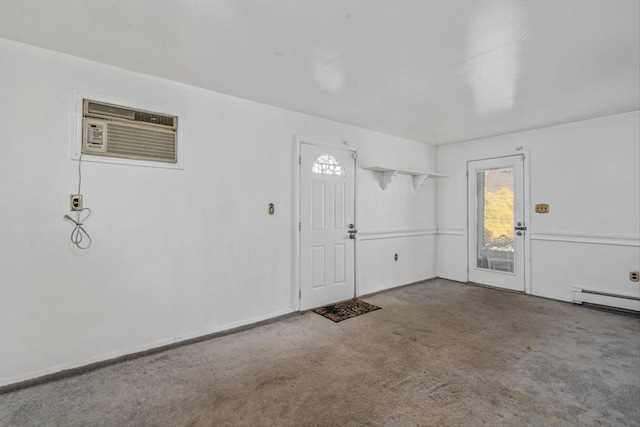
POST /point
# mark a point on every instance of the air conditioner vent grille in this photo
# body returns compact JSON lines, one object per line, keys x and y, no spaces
{"x":156,"y":119}
{"x":110,"y":110}
{"x":139,"y":143}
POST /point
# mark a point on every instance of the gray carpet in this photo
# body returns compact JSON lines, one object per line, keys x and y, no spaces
{"x":439,"y":353}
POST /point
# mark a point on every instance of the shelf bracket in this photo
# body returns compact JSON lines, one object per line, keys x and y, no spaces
{"x":386,"y":177}
{"x":418,"y":181}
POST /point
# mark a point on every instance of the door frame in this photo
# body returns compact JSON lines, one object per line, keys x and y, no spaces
{"x":296,"y":276}
{"x":526,"y":196}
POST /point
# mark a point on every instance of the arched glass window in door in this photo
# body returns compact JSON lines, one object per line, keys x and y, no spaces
{"x":326,"y":164}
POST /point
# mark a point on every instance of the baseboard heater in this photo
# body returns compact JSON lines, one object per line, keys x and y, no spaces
{"x":625,"y":302}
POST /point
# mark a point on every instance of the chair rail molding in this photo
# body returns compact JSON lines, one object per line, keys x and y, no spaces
{"x":451,"y":231}
{"x":587,"y":238}
{"x":391,"y":234}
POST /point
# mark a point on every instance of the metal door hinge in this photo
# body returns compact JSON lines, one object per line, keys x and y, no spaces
{"x":299,"y":226}
{"x":355,"y":155}
{"x":299,"y":293}
{"x":299,"y":160}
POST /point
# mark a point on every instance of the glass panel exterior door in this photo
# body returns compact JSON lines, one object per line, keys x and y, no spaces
{"x":496,"y":222}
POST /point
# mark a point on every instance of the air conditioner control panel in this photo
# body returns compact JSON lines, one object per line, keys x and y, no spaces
{"x":94,"y":136}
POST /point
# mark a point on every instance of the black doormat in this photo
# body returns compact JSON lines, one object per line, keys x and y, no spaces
{"x":346,"y":309}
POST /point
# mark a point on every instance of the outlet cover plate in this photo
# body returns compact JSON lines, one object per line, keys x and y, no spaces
{"x":542,"y":208}
{"x":75,"y":202}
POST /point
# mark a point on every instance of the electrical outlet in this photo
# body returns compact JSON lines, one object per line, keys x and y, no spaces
{"x":634,"y":276}
{"x":75,"y":201}
{"x":395,"y":257}
{"x":542,"y":208}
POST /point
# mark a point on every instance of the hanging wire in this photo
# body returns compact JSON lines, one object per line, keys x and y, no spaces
{"x":80,"y":173}
{"x":79,"y":234}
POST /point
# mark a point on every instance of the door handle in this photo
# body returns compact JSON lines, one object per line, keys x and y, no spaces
{"x":352,"y":233}
{"x":520,"y":228}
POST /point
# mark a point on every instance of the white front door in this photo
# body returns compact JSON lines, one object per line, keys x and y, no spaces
{"x":327,"y":225}
{"x":496,"y":222}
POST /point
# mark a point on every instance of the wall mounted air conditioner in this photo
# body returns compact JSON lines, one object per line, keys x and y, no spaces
{"x":117,"y":131}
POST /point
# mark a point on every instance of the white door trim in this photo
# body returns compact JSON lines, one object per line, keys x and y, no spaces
{"x":298,"y":140}
{"x":526,"y":152}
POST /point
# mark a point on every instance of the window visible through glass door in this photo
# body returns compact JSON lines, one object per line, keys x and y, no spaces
{"x":495,"y":219}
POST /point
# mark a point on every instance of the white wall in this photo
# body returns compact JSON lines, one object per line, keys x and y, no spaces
{"x":176,"y":253}
{"x":588,"y":172}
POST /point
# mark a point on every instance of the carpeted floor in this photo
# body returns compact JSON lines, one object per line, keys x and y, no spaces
{"x":438,"y":353}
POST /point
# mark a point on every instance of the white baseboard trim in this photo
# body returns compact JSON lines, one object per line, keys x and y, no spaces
{"x":376,"y":291}
{"x":81,"y":366}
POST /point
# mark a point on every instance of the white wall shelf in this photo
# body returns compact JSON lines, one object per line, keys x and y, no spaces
{"x":386,"y":176}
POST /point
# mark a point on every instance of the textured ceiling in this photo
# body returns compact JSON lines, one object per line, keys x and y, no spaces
{"x":431,"y":71}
